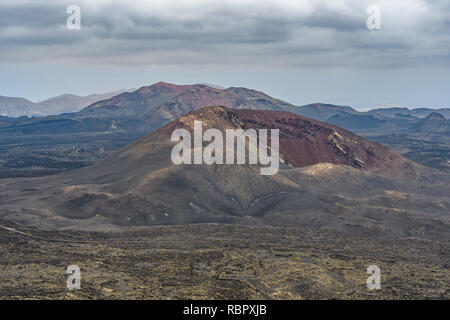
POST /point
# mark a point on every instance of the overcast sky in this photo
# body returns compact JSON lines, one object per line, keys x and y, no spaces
{"x":300,"y":51}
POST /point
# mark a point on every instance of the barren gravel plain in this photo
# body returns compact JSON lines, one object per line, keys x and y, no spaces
{"x":209,"y":261}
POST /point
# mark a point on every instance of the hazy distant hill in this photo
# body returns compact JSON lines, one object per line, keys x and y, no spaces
{"x":72,"y":103}
{"x":382,"y":120}
{"x":322,"y":111}
{"x":433,"y":123}
{"x":356,"y":121}
{"x":16,"y":107}
{"x":392,"y":112}
{"x":423,"y":112}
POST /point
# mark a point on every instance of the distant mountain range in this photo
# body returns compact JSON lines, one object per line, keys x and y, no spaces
{"x":433,"y":123}
{"x":18,"y":107}
{"x":143,"y":110}
{"x":395,"y":110}
{"x":350,"y":118}
{"x":152,"y":106}
{"x":135,"y":114}
{"x":154,"y":95}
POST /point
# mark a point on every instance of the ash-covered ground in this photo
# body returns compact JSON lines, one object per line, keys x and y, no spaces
{"x":210,"y":261}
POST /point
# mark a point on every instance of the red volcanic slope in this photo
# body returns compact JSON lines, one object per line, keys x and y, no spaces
{"x":303,"y":141}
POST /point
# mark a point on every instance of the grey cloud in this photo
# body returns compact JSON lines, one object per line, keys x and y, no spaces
{"x":32,"y":16}
{"x":328,"y":35}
